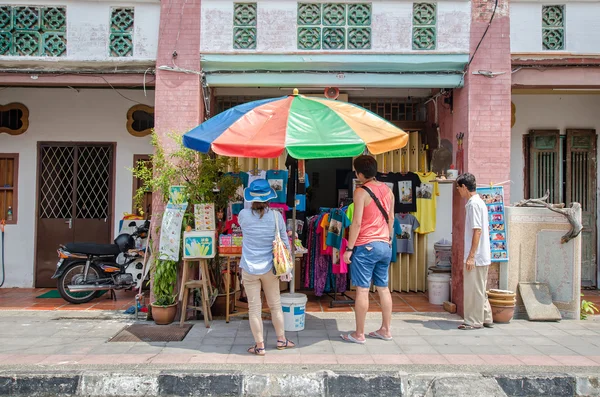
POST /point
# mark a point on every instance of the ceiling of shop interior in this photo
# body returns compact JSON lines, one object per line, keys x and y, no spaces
{"x":352,"y":92}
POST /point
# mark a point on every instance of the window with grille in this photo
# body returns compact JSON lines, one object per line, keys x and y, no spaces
{"x":393,"y":109}
{"x":334,"y":26}
{"x":121,"y":32}
{"x":553,"y":27}
{"x":9,"y":167}
{"x":424,"y":26}
{"x":244,"y":26}
{"x":33,"y":31}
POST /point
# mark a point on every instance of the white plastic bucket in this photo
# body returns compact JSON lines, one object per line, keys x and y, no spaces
{"x":439,"y":288}
{"x":294,"y":306}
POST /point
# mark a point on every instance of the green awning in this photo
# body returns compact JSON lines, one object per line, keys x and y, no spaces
{"x":343,"y":70}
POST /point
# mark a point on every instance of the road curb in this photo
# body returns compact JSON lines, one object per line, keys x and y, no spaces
{"x":142,"y":382}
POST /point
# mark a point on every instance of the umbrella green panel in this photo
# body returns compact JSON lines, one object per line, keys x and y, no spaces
{"x":316,"y":131}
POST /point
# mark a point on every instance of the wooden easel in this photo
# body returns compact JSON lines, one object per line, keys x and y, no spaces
{"x":202,"y":283}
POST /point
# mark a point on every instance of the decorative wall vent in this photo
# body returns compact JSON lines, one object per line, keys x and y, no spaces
{"x":33,"y":31}
{"x":14,"y":118}
{"x":424,"y":26}
{"x":334,"y":26}
{"x":121,"y":32}
{"x":553,"y":28}
{"x":244,"y":26}
{"x":140,"y":120}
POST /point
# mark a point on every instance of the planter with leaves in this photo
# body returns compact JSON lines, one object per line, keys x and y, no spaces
{"x":203,"y":178}
{"x":164,"y":308}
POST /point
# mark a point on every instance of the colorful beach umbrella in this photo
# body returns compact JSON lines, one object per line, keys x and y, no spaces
{"x":307,"y":127}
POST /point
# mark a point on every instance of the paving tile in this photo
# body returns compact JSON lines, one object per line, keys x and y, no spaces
{"x":555,"y":350}
{"x":464,"y":359}
{"x":419,"y":350}
{"x":521,"y":350}
{"x":488,"y":350}
{"x":25,"y":359}
{"x":274,"y":358}
{"x":500,"y":359}
{"x":541,"y":360}
{"x":318,"y":358}
{"x":575,"y":361}
{"x":507,"y":341}
{"x":389,"y":348}
{"x":165,"y":358}
{"x":209,"y":358}
{"x":410,"y":341}
{"x":537,"y":341}
{"x":596,"y":359}
{"x":391,"y":359}
{"x":349,"y":359}
{"x":245,"y":358}
{"x":216,"y":349}
{"x":453,"y":350}
{"x":582,"y":332}
{"x":427,"y":359}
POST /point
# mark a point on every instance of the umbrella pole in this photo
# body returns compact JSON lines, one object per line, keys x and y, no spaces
{"x":293,"y":246}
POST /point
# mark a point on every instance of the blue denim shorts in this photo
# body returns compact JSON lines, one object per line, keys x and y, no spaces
{"x":370,"y":262}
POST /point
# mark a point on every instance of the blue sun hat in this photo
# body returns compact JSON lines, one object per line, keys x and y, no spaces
{"x":259,"y":191}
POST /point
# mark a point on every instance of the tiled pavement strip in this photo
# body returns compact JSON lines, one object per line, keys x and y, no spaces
{"x":42,"y":340}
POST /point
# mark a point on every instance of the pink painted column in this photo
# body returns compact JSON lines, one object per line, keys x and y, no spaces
{"x":178,"y":96}
{"x":482,"y":111}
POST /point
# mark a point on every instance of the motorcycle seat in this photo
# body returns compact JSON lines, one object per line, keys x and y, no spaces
{"x":93,"y":249}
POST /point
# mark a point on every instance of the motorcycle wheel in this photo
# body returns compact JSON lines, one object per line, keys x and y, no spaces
{"x":70,"y":276}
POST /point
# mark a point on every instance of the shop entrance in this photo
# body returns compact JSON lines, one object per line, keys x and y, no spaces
{"x":74,"y":203}
{"x":328,"y":181}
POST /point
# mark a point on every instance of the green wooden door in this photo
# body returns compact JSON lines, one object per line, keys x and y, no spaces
{"x":580,"y":184}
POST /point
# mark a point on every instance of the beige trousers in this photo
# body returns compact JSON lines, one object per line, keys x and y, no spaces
{"x":270,"y":284}
{"x":476,"y":306}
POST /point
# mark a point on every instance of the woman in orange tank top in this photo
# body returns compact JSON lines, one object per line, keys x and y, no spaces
{"x":369,"y":249}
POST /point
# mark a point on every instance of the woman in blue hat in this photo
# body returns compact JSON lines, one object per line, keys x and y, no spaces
{"x":258,"y":229}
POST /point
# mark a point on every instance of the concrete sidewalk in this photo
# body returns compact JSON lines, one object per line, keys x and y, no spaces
{"x":43,"y":348}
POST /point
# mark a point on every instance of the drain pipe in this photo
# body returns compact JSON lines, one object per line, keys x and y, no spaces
{"x":2,"y":224}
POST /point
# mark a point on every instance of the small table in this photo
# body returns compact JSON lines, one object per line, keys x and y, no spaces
{"x":228,"y":283}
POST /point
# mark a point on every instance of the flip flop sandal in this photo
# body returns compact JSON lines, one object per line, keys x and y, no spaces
{"x":349,"y":338}
{"x":488,"y":325}
{"x":467,"y":327}
{"x":377,"y":335}
{"x":285,"y":345}
{"x":258,"y":351}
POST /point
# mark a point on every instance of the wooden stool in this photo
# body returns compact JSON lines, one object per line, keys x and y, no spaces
{"x":203,"y":284}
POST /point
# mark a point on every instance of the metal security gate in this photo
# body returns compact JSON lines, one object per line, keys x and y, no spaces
{"x":74,"y":200}
{"x":565,"y":165}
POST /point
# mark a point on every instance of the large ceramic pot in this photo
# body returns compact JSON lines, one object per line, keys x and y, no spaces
{"x":218,"y":308}
{"x":502,"y":314}
{"x":164,"y":315}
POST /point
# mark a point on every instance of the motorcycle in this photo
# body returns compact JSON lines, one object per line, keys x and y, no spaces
{"x":84,"y":270}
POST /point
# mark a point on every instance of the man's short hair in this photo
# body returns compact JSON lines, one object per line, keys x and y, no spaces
{"x":366,"y":165}
{"x":467,"y":180}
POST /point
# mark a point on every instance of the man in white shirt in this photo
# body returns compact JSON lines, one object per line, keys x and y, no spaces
{"x":477,"y":259}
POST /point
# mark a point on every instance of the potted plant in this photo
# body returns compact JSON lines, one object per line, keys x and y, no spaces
{"x":164,"y":308}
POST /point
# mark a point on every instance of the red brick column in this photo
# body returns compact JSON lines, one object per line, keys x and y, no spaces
{"x":482,"y":112}
{"x":178,"y":96}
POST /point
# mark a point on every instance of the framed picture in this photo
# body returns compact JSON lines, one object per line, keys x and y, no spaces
{"x":199,"y":245}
